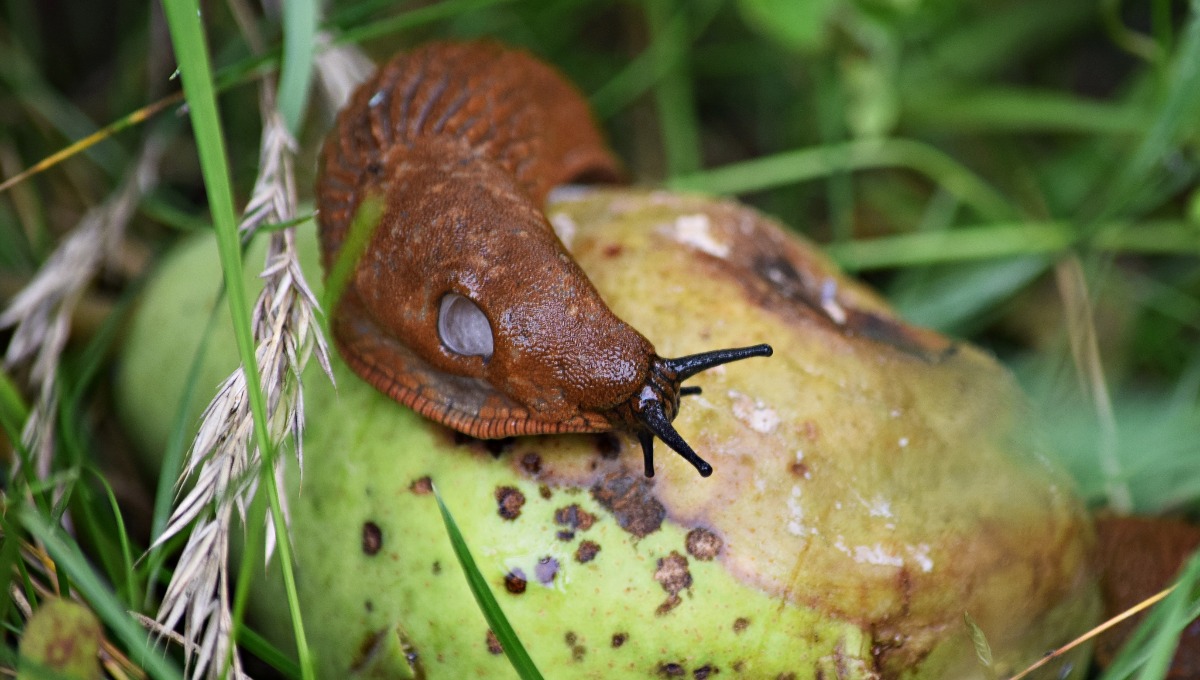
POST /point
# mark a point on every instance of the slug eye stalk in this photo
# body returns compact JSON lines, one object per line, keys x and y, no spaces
{"x":656,"y":405}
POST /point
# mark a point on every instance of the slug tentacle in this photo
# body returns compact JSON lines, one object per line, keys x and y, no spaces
{"x":465,"y":305}
{"x":651,"y":411}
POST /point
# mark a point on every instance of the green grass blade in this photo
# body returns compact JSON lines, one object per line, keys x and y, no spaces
{"x":295,"y":75}
{"x":1152,"y":645}
{"x":191,"y":50}
{"x":417,"y":17}
{"x":821,"y":162}
{"x":496,"y":619}
{"x":1176,"y":114}
{"x":71,"y":563}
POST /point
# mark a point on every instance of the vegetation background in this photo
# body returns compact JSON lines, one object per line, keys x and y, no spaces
{"x":1019,"y":173}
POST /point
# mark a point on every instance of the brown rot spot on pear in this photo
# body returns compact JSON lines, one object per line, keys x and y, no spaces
{"x":372,"y":538}
{"x":515,"y":581}
{"x":668,"y":605}
{"x":705,"y":672}
{"x":672,"y":573}
{"x":578,"y":651}
{"x":799,"y":469}
{"x":509,"y":502}
{"x":671,"y":669}
{"x":586,"y":552}
{"x":619,"y":639}
{"x":437,"y":568}
{"x":703,"y":544}
{"x":574,"y":517}
{"x":630,"y":499}
{"x":740,"y":624}
{"x":421,"y":486}
{"x":545,"y":492}
{"x":531,"y":463}
{"x":368,"y":648}
{"x":493,"y":644}
{"x":546,"y":570}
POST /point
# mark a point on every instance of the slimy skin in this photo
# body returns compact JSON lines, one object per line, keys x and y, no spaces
{"x":465,"y":306}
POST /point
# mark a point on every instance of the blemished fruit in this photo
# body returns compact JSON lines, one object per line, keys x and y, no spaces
{"x":874,"y":485}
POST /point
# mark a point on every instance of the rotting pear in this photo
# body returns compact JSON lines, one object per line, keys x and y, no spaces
{"x":873,"y":484}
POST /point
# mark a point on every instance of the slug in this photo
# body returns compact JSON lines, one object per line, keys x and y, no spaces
{"x":464,"y":305}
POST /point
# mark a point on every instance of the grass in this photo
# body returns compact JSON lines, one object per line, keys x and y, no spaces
{"x":995,"y":168}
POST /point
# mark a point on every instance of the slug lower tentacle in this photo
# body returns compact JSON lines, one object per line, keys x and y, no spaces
{"x":465,"y":305}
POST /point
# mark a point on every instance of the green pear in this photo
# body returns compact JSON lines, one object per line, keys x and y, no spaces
{"x":875,"y":485}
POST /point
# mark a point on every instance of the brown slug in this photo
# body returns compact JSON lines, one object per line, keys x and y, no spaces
{"x":465,"y":306}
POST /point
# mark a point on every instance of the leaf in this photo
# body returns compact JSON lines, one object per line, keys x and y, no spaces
{"x":497,"y":621}
{"x":795,"y":24}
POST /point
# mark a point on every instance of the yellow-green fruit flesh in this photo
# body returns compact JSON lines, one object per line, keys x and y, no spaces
{"x":873,"y":483}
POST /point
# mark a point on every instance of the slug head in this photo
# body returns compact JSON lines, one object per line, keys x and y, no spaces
{"x":650,"y":411}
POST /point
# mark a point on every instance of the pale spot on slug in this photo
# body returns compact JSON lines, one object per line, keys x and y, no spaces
{"x":463,"y":327}
{"x":754,"y":413}
{"x":693,"y":230}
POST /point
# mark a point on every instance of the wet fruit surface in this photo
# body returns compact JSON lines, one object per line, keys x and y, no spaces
{"x":873,"y":483}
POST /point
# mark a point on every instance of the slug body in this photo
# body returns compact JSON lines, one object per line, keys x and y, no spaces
{"x":465,"y":305}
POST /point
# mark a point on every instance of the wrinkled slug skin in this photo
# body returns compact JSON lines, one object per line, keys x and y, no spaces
{"x":462,"y":143}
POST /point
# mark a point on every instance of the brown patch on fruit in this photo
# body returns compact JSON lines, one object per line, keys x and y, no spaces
{"x":629,"y":497}
{"x":546,"y":570}
{"x":493,"y":644}
{"x":799,"y":469}
{"x":670,"y":669}
{"x":704,"y":672}
{"x":1137,"y":557}
{"x":372,"y":538}
{"x":740,"y":624}
{"x":368,"y":648}
{"x":703,"y":544}
{"x":515,"y":582}
{"x":544,"y":492}
{"x":565,"y":536}
{"x":509,"y":501}
{"x":667,"y":605}
{"x":577,"y":650}
{"x":619,"y":639}
{"x":672,"y":573}
{"x":612,"y":250}
{"x":531,"y":463}
{"x":586,"y":552}
{"x":421,"y":486}
{"x":574,"y":517}
{"x":437,"y":567}
{"x":811,"y":431}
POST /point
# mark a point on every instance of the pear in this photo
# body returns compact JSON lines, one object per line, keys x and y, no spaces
{"x":876,"y":485}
